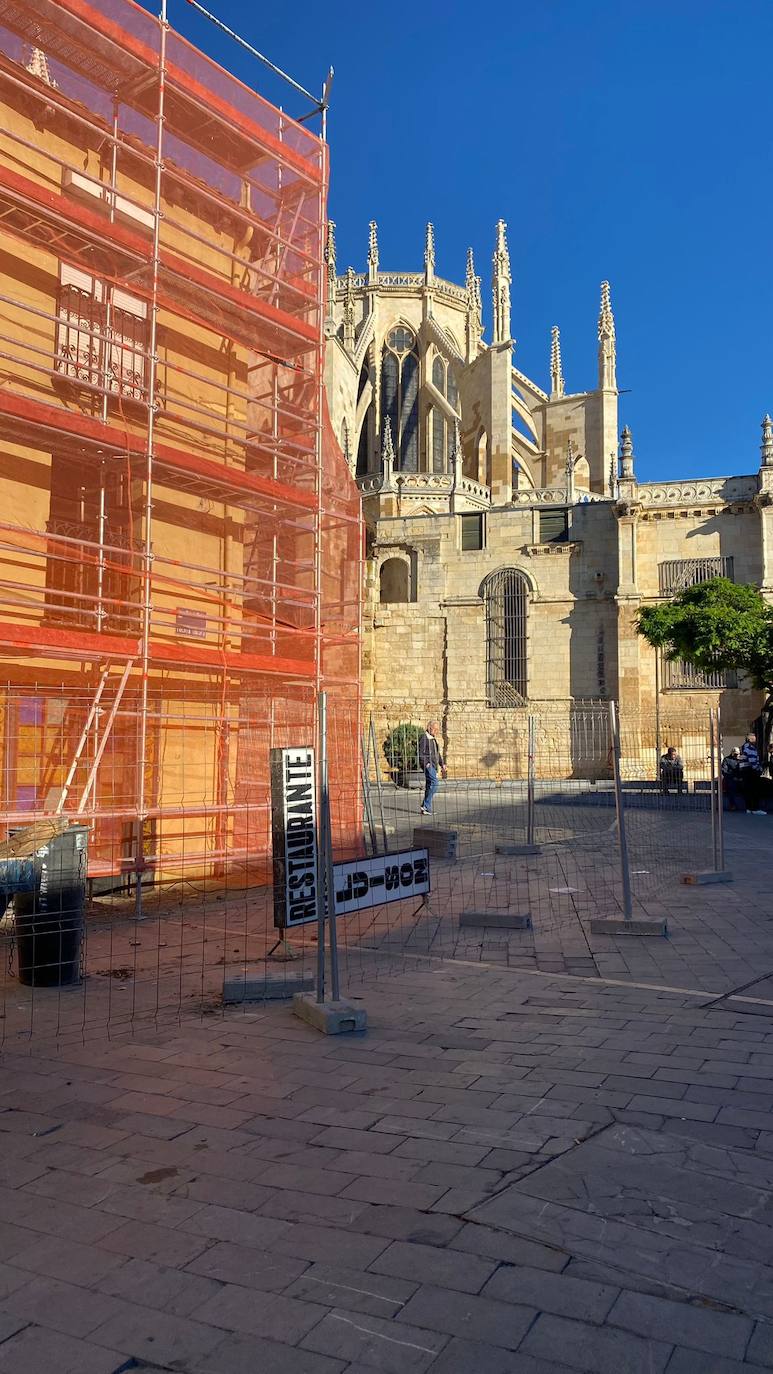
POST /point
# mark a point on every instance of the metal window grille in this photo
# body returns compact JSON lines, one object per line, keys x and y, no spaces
{"x":472,"y":532}
{"x":553,"y":526}
{"x":681,"y":676}
{"x":102,"y":335}
{"x":506,"y":600}
{"x":677,"y":574}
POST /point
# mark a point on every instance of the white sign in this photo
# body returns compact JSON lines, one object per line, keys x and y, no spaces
{"x":294,"y":836}
{"x":363,"y":883}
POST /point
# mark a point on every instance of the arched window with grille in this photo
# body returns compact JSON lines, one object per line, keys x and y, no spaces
{"x":400,"y":396}
{"x":506,"y":599}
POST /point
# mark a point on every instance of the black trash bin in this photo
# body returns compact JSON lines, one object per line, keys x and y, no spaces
{"x":50,"y":917}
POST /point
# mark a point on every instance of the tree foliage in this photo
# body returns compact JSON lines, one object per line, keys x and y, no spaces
{"x":717,"y":626}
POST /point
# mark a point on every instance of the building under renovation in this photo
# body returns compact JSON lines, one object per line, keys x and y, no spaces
{"x":510,"y":540}
{"x":180,"y":540}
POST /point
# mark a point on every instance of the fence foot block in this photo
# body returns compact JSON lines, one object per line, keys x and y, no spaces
{"x":439,"y":844}
{"x":518,"y":850}
{"x":700,"y":879}
{"x":601,"y":925}
{"x":257,"y":989}
{"x":331,"y":1018}
{"x":496,"y":920}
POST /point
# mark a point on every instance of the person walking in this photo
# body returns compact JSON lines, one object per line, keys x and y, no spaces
{"x":732,"y":780}
{"x":431,"y":760}
{"x":751,"y":773}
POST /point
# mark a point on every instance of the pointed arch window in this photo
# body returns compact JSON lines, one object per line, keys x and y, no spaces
{"x":442,"y":430}
{"x":400,"y":396}
{"x":506,"y":599}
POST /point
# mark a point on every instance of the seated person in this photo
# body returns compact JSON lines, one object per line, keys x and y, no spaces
{"x":671,"y":771}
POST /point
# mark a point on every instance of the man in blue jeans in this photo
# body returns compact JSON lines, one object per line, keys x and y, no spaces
{"x":431,"y":760}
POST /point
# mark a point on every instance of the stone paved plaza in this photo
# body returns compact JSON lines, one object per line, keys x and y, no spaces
{"x":512,"y":1172}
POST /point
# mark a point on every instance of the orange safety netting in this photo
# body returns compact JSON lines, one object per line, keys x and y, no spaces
{"x":180,"y":537}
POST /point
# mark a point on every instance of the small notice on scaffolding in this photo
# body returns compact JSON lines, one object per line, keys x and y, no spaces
{"x":294,"y":836}
{"x":363,"y":883}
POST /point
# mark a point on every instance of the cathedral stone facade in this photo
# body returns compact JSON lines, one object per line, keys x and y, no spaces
{"x":510,"y":542}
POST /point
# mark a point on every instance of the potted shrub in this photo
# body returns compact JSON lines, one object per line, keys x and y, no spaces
{"x":401,"y":747}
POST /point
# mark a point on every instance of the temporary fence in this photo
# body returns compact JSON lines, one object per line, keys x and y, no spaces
{"x":507,"y":870}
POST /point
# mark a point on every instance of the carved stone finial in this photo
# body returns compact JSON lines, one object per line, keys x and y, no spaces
{"x":372,"y":251}
{"x":38,"y":66}
{"x":387,"y":454}
{"x":556,"y":371}
{"x":330,"y":259}
{"x":501,"y":285}
{"x":429,"y":254}
{"x":349,"y":314}
{"x":766,"y":447}
{"x":626,"y":454}
{"x":607,"y":343}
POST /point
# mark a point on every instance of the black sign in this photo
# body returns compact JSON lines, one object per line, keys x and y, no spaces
{"x":364,"y":883}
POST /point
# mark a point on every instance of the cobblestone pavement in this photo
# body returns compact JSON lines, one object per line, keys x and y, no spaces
{"x":510,"y":1173}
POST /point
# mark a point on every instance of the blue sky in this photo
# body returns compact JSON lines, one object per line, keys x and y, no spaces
{"x":626,"y":140}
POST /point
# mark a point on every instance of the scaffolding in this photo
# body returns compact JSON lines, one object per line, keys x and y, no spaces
{"x":180,"y":539}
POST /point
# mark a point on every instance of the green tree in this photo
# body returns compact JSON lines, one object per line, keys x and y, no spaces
{"x":717,"y":626}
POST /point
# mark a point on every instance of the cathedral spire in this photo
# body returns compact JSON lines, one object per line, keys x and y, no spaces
{"x":556,"y":370}
{"x":766,"y":447}
{"x":429,"y":255}
{"x":372,"y":253}
{"x":330,"y":259}
{"x":501,"y":285}
{"x":474,"y":311}
{"x":607,"y":343}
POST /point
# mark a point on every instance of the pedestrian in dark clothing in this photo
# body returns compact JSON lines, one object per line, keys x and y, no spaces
{"x":751,"y":773}
{"x":732,"y":781}
{"x":431,"y":760}
{"x":671,"y":771}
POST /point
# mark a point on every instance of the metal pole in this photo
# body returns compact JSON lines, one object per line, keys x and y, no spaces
{"x":530,"y":780}
{"x":657,"y":715}
{"x":379,"y":785}
{"x":321,"y":868}
{"x":720,"y":808}
{"x":364,"y":763}
{"x":147,"y":559}
{"x":712,"y":757}
{"x":326,"y":856}
{"x":625,"y":872}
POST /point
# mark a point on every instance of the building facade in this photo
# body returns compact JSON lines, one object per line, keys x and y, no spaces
{"x":510,"y":542}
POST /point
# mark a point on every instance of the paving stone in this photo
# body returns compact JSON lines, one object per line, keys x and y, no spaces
{"x":371,"y":1344}
{"x":406,"y":1223}
{"x":698,"y":1362}
{"x":761,"y":1345}
{"x":153,"y":1285}
{"x":330,"y":1245}
{"x":428,"y":1264}
{"x":597,"y":1350}
{"x":361,"y":1291}
{"x":251,"y":1355}
{"x":343,"y":1138}
{"x":38,"y":1351}
{"x":228,"y":1223}
{"x":482,"y":1319}
{"x":558,"y":1293}
{"x":393,"y":1192}
{"x":261,"y":1269}
{"x":269,"y":1315}
{"x":67,"y":1260}
{"x":61,"y":1306}
{"x":718,"y":1333}
{"x":499,"y":1245}
{"x":142,"y":1240}
{"x":470,"y":1357}
{"x":158,"y":1337}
